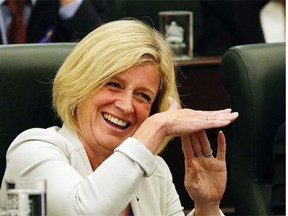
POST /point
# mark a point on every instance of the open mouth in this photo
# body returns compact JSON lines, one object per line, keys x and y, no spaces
{"x":118,"y":122}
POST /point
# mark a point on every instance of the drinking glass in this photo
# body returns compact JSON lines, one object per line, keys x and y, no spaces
{"x":26,"y":197}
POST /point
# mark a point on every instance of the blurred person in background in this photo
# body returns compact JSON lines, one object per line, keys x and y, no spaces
{"x":234,"y":22}
{"x":41,"y":21}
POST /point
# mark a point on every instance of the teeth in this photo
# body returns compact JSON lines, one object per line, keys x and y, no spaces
{"x":115,"y":120}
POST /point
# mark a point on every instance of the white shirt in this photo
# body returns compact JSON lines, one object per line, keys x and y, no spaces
{"x":273,"y":22}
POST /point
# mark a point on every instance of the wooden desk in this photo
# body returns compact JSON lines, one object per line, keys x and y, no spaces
{"x":200,"y":88}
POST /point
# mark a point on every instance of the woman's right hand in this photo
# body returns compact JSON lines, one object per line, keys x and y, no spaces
{"x":179,"y":122}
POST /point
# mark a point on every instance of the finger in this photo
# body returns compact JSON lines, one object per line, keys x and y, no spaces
{"x":221,"y":115}
{"x":214,"y":112}
{"x":205,"y":144}
{"x":196,"y":145}
{"x":221,"y":149}
{"x":216,"y":123}
{"x":172,"y":103}
{"x":187,"y":146}
{"x":224,"y":116}
{"x":187,"y":150}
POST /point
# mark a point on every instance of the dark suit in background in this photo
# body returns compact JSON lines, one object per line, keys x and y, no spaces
{"x":44,"y":17}
{"x":229,"y":23}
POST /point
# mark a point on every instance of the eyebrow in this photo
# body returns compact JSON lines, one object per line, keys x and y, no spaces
{"x":144,"y":88}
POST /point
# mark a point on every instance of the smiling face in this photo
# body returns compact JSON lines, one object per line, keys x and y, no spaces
{"x":114,"y":112}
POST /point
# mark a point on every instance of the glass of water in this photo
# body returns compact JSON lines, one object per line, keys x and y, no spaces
{"x":26,"y":197}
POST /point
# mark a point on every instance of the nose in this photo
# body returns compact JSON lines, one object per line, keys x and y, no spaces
{"x":125,"y":102}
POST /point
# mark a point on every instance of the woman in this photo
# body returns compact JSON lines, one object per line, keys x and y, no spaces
{"x":117,"y":97}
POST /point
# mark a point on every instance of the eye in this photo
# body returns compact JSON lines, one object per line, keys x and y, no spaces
{"x":113,"y":84}
{"x":145,"y":97}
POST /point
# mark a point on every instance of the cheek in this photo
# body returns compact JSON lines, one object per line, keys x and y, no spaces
{"x":142,"y":112}
{"x":87,"y":108}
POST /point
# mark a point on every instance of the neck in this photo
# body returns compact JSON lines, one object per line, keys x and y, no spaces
{"x":96,"y":154}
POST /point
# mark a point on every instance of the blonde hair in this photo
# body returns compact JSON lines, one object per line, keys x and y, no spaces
{"x":108,"y":50}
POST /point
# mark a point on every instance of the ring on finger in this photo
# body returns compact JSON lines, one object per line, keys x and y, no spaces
{"x":199,"y":154}
{"x":209,"y":154}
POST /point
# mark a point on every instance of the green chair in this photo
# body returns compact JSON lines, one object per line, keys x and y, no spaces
{"x":26,"y":74}
{"x":254,"y":77}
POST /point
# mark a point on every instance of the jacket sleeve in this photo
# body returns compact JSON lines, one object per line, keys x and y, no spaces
{"x":106,"y":191}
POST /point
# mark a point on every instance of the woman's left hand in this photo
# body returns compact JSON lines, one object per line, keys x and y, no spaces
{"x":205,"y":175}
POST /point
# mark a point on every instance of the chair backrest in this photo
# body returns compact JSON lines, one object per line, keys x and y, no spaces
{"x":254,"y":77}
{"x":26,"y":75}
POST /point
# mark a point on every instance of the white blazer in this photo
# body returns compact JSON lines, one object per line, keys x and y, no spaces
{"x":130,"y":175}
